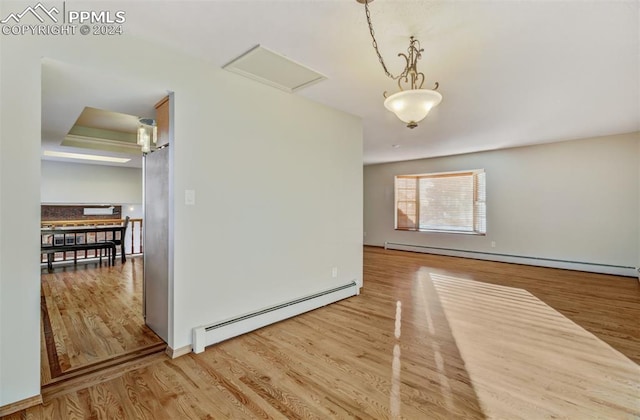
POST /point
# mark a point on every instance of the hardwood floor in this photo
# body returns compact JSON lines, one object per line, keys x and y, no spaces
{"x":92,"y":318}
{"x":430,"y":337}
{"x":607,"y":306}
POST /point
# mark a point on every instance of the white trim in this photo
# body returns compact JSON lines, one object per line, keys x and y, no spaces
{"x":175,"y":353}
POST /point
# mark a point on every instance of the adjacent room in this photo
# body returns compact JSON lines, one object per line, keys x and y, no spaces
{"x":92,"y":220}
{"x":320,"y":209}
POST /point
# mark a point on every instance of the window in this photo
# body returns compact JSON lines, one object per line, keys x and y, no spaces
{"x":442,"y":202}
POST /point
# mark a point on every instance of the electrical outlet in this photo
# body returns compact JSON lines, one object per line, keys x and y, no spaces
{"x":334,"y":272}
{"x":493,"y":244}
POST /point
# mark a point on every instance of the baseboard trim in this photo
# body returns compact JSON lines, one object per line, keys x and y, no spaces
{"x":517,"y":259}
{"x":5,"y":410}
{"x":175,"y":353}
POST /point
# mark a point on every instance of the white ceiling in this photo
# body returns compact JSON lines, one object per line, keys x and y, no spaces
{"x":511,"y":72}
{"x":72,"y":96}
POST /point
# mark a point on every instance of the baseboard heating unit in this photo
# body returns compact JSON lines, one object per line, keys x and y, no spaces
{"x":207,"y":335}
{"x":616,"y":270}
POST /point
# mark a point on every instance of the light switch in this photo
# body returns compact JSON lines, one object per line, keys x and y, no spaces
{"x":190,"y":197}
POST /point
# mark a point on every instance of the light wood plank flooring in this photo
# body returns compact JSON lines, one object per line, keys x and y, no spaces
{"x":430,"y":337}
{"x":92,"y":318}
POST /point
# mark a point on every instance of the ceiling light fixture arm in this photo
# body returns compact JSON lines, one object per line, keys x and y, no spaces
{"x":411,"y":78}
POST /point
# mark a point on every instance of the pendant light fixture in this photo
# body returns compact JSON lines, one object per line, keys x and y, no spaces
{"x":412,"y":103}
{"x":147,"y":133}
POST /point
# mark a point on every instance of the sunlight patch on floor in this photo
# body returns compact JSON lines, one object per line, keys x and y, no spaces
{"x":443,"y":380}
{"x":525,"y":359}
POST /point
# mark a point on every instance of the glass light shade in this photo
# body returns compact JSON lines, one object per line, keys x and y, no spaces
{"x":412,"y":106}
{"x":146,"y":135}
{"x":146,"y":146}
{"x":141,"y":133}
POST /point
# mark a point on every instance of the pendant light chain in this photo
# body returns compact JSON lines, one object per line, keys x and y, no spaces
{"x":375,"y":44}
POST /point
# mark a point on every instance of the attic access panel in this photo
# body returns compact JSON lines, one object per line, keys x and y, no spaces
{"x":273,"y":69}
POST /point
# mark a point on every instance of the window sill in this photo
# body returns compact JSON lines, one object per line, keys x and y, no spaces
{"x":458,"y":232}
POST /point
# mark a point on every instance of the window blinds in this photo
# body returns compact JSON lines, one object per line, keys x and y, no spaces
{"x":447,"y":202}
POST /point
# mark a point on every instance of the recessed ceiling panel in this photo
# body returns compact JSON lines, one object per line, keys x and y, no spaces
{"x":103,"y":130}
{"x":107,"y":120}
{"x":273,"y":69}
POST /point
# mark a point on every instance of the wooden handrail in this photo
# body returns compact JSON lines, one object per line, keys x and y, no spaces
{"x":136,"y":226}
{"x":84,"y":222}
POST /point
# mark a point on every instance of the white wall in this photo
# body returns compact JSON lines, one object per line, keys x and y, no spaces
{"x":279,"y":200}
{"x":20,"y":203}
{"x":573,"y":201}
{"x":278,"y":182}
{"x":63,"y":182}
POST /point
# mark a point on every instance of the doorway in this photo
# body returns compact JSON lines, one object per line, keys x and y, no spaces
{"x":92,"y":312}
